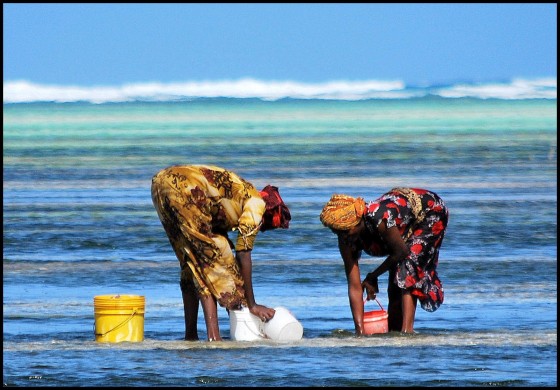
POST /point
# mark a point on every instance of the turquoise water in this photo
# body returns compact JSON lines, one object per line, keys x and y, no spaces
{"x":78,"y":222}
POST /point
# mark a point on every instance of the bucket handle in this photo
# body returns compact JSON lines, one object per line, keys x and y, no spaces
{"x":365,"y":300}
{"x":261,"y":330}
{"x":134,"y":311}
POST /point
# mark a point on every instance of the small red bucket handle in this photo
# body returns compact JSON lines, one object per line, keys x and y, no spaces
{"x":365,"y":300}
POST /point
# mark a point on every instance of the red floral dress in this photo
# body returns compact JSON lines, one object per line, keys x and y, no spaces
{"x":423,"y":236}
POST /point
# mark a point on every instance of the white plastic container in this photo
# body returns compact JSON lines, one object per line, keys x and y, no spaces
{"x":283,"y":326}
{"x":244,"y":326}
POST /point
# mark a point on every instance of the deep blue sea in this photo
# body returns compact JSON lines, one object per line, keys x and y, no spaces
{"x":78,"y":222}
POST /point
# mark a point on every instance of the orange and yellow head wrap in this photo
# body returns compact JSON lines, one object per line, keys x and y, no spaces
{"x":342,"y":212}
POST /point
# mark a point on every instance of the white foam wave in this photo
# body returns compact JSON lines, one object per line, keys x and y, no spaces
{"x":25,"y":91}
{"x":22,"y":91}
{"x":517,"y":89}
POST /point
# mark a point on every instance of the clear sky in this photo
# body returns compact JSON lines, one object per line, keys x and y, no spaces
{"x":110,"y":44}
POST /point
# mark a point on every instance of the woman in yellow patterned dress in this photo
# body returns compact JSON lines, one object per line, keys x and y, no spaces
{"x":198,"y":205}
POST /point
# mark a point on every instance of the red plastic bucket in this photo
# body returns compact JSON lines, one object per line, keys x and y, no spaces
{"x":376,"y":321}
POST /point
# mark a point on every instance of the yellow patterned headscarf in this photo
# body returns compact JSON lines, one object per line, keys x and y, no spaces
{"x":342,"y":212}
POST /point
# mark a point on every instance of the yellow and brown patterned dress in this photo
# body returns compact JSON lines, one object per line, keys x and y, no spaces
{"x":197,"y":206}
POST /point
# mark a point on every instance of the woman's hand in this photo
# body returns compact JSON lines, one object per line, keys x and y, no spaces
{"x":370,"y":286}
{"x":263,"y":312}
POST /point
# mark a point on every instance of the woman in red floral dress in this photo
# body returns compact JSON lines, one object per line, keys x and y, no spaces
{"x":408,"y":226}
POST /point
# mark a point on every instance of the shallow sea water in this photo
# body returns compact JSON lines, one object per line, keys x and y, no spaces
{"x":78,"y":222}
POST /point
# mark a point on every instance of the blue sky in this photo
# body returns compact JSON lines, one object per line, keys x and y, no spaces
{"x":111,"y":44}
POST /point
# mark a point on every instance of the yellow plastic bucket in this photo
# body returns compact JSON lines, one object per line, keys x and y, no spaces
{"x":119,"y":318}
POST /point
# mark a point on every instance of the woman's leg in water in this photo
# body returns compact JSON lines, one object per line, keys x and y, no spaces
{"x":409,"y":311}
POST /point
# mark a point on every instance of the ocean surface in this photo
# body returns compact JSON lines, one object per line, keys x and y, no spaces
{"x":78,"y":222}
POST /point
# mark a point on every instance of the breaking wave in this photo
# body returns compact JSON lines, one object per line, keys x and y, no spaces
{"x":22,"y":91}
